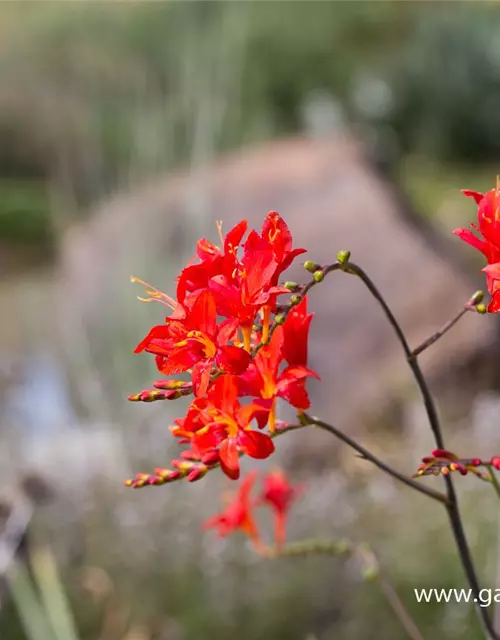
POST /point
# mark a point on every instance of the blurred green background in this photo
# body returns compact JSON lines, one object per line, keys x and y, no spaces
{"x":98,"y":100}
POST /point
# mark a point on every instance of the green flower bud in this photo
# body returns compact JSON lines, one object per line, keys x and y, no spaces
{"x":343,"y":256}
{"x":318,"y":275}
{"x":311,"y":266}
{"x":477,"y":298}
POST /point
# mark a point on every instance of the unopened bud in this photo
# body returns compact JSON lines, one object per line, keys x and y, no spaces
{"x":343,"y":256}
{"x":370,"y":573}
{"x":280,"y":318}
{"x":291,"y":286}
{"x":318,"y":275}
{"x":477,"y":298}
{"x":311,"y":266}
{"x":481,"y":308}
{"x":295,"y":299}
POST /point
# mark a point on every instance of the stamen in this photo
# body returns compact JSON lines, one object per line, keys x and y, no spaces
{"x":155,"y":294}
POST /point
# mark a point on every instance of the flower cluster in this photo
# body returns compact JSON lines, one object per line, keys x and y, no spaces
{"x":488,"y":214}
{"x":241,"y":350}
{"x":277,"y":493}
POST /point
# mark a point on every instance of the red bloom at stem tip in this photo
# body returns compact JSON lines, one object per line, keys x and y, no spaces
{"x":487,"y":240}
{"x":238,"y":513}
{"x":279,"y":494}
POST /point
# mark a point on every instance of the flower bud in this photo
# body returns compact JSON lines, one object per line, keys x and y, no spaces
{"x":318,"y":275}
{"x":477,"y":298}
{"x":295,"y":299}
{"x":481,"y":308}
{"x":343,"y":256}
{"x":291,"y":286}
{"x":311,"y":266}
{"x":280,"y":318}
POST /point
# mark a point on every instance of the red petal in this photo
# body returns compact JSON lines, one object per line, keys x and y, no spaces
{"x":257,"y":410}
{"x":473,"y":194}
{"x":470,"y":238}
{"x":494,"y":306}
{"x":255,"y":444}
{"x":295,"y":393}
{"x":161,"y":332}
{"x":179,"y":361}
{"x":229,"y":458}
{"x":234,"y":237}
{"x":203,"y":316}
{"x":232,"y":359}
{"x":224,"y":393}
{"x":201,"y":377}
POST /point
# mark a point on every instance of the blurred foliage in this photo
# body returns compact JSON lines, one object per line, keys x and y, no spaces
{"x":446,"y":87}
{"x":24,"y":210}
{"x":96,"y":97}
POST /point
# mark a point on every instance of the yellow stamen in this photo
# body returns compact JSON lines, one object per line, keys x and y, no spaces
{"x":208,"y":346}
{"x":155,"y":294}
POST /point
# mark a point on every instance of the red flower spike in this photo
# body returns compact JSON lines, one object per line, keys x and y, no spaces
{"x":444,"y":462}
{"x":238,"y":514}
{"x":488,"y":243}
{"x":279,"y":494}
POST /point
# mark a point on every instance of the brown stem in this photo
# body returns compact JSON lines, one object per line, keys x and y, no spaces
{"x":367,"y":455}
{"x":371,"y":571}
{"x":452,"y":503}
{"x":469,"y":306}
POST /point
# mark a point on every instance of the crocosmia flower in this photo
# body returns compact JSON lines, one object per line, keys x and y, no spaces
{"x":485,"y":237}
{"x":238,"y":515}
{"x":279,"y":494}
{"x":196,"y":342}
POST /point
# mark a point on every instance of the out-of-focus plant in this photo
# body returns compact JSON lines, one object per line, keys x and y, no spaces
{"x":445,"y":85}
{"x":231,"y":333}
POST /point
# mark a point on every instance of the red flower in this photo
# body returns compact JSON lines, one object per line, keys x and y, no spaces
{"x":214,"y":261}
{"x":196,"y":342}
{"x":220,"y":423}
{"x":296,"y":334}
{"x":279,"y":494}
{"x":262,"y":379}
{"x":251,"y":288}
{"x":275,"y":231}
{"x":238,"y":514}
{"x":489,"y":244}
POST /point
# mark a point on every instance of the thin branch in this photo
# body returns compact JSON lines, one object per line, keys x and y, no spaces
{"x":367,"y":455}
{"x":432,"y":415}
{"x":469,"y":306}
{"x":371,"y":571}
